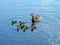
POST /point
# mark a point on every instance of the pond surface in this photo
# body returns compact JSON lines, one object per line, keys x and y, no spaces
{"x":48,"y":29}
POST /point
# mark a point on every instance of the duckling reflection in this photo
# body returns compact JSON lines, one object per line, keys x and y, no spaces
{"x":18,"y":28}
{"x":13,"y":22}
{"x":33,"y":27}
{"x":35,"y":18}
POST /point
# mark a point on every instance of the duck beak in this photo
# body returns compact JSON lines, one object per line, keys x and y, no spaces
{"x":40,"y":17}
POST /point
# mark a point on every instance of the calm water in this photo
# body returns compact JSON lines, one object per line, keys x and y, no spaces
{"x":48,"y":29}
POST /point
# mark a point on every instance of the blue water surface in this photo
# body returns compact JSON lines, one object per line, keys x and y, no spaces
{"x":48,"y":29}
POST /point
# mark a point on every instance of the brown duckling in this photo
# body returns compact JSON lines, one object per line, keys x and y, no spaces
{"x":22,"y":24}
{"x":13,"y":22}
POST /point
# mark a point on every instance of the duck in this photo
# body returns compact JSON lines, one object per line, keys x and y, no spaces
{"x":35,"y":18}
{"x":13,"y":22}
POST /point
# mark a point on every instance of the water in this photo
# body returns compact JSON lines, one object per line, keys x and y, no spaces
{"x":48,"y":29}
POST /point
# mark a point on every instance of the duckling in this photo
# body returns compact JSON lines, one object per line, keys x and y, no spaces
{"x":13,"y":22}
{"x":22,"y":24}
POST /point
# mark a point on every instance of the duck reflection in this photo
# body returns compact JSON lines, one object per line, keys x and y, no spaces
{"x":33,"y":27}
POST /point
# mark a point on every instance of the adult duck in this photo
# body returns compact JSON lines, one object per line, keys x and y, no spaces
{"x":35,"y":18}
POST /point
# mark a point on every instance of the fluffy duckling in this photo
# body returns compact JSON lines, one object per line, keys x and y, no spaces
{"x":13,"y":22}
{"x":22,"y":24}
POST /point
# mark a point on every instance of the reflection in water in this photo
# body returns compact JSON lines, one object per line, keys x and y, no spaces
{"x":17,"y":28}
{"x":33,"y":27}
